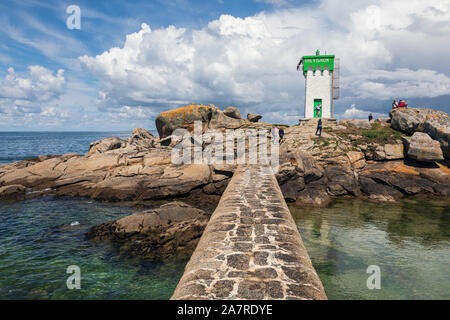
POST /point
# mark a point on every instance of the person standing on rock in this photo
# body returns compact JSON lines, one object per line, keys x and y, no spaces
{"x":319,"y":128}
{"x":370,"y":117}
{"x":275,"y":133}
{"x":281,"y":133}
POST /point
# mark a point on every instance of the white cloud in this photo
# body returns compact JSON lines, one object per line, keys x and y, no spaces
{"x":251,"y":62}
{"x":275,"y":2}
{"x":29,"y":93}
{"x":355,"y":113}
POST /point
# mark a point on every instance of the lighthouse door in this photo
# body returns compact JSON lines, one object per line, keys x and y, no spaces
{"x":317,"y":111}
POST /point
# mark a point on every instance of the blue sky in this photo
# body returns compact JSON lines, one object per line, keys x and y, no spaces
{"x":133,"y":59}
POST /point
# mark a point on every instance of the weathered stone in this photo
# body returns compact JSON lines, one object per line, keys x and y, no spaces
{"x":422,"y":148}
{"x":232,"y":112}
{"x":433,"y":122}
{"x":238,"y":261}
{"x":12,"y":192}
{"x":394,"y":151}
{"x":222,"y":288}
{"x":183,"y":118}
{"x":101,"y":146}
{"x":355,"y":123}
{"x":263,"y":238}
{"x":252,"y":117}
{"x":156,"y":233}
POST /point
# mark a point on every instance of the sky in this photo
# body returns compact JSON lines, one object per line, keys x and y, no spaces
{"x":131,"y":60}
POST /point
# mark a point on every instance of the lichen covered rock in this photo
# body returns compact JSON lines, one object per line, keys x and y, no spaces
{"x":422,"y":148}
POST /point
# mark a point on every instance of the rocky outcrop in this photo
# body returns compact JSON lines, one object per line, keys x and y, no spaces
{"x":119,"y":174}
{"x":140,"y":140}
{"x":385,"y":152}
{"x":355,"y":123}
{"x":252,"y":117}
{"x":211,"y":116}
{"x":433,"y":122}
{"x":421,"y":147}
{"x":172,"y":229}
{"x":12,"y":192}
{"x":394,"y":179}
{"x":232,"y":112}
{"x":345,"y":161}
{"x":101,"y":146}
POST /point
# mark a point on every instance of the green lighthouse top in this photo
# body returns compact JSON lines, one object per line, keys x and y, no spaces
{"x":318,"y":61}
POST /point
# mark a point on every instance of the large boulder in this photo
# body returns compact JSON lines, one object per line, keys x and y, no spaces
{"x":158,"y":233}
{"x":232,"y":112}
{"x":356,"y":123}
{"x":252,"y":117}
{"x":434,"y":122}
{"x":210,"y":116}
{"x":392,"y":179}
{"x":142,"y":139}
{"x":12,"y":192}
{"x":422,"y":148}
{"x":101,"y":146}
{"x":380,"y":152}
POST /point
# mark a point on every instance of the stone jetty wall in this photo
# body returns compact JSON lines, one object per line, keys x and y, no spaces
{"x":251,"y":248}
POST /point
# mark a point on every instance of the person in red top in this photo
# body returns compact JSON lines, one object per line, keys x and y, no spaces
{"x":402,"y":104}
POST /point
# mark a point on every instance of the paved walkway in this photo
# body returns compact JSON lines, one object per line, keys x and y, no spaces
{"x":251,"y":248}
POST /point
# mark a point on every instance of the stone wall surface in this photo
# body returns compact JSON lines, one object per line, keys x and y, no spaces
{"x":251,"y":248}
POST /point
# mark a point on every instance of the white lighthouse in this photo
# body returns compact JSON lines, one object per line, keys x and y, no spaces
{"x":322,"y":84}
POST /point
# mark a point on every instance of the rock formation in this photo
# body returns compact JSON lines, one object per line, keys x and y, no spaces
{"x":211,"y":116}
{"x":433,"y":122}
{"x":421,"y":147}
{"x":252,"y":117}
{"x":171,"y":229}
{"x":347,"y":160}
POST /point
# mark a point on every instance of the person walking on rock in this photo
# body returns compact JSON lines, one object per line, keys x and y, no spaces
{"x":319,"y":128}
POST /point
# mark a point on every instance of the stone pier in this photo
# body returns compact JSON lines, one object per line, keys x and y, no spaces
{"x":251,"y":248}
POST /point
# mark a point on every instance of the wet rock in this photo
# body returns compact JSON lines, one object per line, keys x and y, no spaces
{"x":422,"y":148}
{"x":12,"y":192}
{"x":157,"y":233}
{"x":341,"y":181}
{"x":314,"y":195}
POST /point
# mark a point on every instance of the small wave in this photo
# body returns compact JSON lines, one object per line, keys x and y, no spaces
{"x":39,"y":191}
{"x":75,"y":223}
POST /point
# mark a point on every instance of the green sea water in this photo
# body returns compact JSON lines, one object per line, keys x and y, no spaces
{"x":409,"y":242}
{"x":35,"y":251}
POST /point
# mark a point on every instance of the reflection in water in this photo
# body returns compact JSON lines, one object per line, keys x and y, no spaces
{"x":409,"y":241}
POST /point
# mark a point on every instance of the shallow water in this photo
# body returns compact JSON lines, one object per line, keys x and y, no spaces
{"x":35,"y":253}
{"x":409,"y":241}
